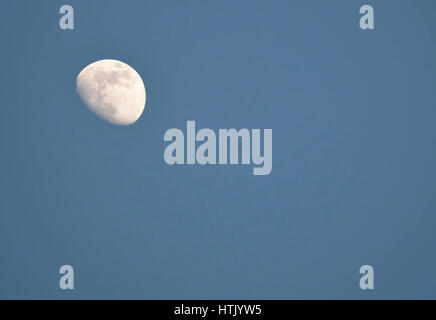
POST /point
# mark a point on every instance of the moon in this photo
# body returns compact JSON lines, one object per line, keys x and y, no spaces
{"x":112,"y":90}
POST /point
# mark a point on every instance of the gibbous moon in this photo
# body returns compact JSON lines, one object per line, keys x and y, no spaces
{"x":113,"y":90}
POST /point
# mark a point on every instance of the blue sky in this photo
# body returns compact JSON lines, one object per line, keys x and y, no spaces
{"x":353,"y":178}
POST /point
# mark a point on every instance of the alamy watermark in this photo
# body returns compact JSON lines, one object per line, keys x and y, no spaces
{"x":206,"y":152}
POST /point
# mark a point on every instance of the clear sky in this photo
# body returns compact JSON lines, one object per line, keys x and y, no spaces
{"x":353,"y":179}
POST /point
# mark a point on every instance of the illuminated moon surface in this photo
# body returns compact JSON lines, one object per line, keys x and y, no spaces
{"x":113,"y":90}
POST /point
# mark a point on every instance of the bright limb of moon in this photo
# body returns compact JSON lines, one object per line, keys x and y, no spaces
{"x":113,"y":90}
